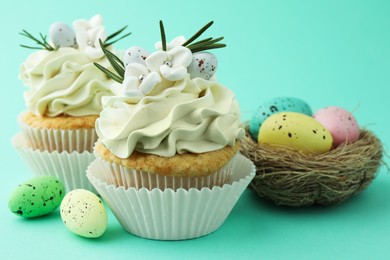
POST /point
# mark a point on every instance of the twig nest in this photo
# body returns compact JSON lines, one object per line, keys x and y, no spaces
{"x":290,"y":178}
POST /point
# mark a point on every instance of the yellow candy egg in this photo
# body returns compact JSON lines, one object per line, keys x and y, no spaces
{"x":297,"y":131}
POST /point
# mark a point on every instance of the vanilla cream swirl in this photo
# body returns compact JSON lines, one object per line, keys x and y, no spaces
{"x":191,"y":116}
{"x":64,"y":82}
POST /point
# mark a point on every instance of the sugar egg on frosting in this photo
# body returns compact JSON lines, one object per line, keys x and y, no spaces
{"x":340,"y":123}
{"x":135,"y":54}
{"x":37,"y":197}
{"x":84,"y":214}
{"x":295,"y":130}
{"x":62,"y":35}
{"x":203,"y":65}
{"x":273,"y":106}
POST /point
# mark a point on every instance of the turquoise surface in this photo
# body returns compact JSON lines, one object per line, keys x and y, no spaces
{"x":324,"y":52}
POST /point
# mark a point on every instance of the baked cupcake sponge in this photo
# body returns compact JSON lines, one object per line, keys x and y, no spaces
{"x":58,"y":122}
{"x":180,"y":165}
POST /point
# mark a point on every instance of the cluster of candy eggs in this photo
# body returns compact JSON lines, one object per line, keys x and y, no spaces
{"x":203,"y":65}
{"x":289,"y":122}
{"x":82,"y":212}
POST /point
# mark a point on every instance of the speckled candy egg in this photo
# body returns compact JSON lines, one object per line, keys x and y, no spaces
{"x":135,"y":54}
{"x":62,"y":35}
{"x":298,"y":131}
{"x":340,"y":123}
{"x":83,"y":213}
{"x":37,"y":197}
{"x":273,"y":106}
{"x":203,"y":65}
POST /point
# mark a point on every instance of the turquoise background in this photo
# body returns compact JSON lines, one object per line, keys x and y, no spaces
{"x":325,"y":52}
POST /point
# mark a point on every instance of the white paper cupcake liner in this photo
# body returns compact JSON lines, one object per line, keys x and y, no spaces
{"x":168,"y":214}
{"x":69,"y":167}
{"x":119,"y":175}
{"x":59,"y":140}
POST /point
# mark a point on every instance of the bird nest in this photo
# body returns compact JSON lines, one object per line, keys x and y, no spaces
{"x":290,"y":178}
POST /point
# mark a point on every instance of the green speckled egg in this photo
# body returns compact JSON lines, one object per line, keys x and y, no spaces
{"x":37,"y":197}
{"x":84,"y":214}
{"x":297,"y":131}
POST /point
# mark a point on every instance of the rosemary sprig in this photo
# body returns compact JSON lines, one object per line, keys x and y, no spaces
{"x":163,"y":38}
{"x":107,"y":42}
{"x":208,"y":47}
{"x":108,"y":73}
{"x":199,"y":33}
{"x":41,"y":42}
{"x":115,"y":62}
{"x":205,"y":44}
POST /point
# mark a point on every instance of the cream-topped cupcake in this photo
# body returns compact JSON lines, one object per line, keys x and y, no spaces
{"x":170,"y":128}
{"x":63,"y":100}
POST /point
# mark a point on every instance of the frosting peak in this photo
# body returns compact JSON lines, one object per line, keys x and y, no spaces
{"x":192,"y":115}
{"x":64,"y":81}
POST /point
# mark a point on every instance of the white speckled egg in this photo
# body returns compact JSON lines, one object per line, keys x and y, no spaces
{"x":83,"y":213}
{"x":135,"y":54}
{"x":62,"y":35}
{"x":203,"y":65}
{"x":298,"y":131}
{"x":340,"y":123}
{"x":273,"y":106}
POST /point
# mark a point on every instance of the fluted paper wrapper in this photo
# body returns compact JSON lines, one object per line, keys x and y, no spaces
{"x":173,"y":215}
{"x":119,"y":175}
{"x":68,"y":167}
{"x":59,"y":140}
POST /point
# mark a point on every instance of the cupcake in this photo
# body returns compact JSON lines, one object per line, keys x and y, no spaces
{"x":169,"y":138}
{"x":63,"y":100}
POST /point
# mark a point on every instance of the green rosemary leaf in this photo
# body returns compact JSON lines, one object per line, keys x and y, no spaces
{"x":106,"y":44}
{"x":109,"y":73}
{"x":208,"y":47}
{"x":30,"y":47}
{"x":205,"y":43}
{"x":115,"y":62}
{"x":163,"y":39}
{"x":111,"y":55}
{"x":111,"y":36}
{"x":117,"y":67}
{"x":43,"y":42}
{"x":216,"y":40}
{"x":199,"y":33}
{"x":201,"y":41}
{"x":28,"y":35}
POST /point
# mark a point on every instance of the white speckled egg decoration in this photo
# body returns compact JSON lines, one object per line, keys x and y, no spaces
{"x":135,"y":54}
{"x":62,"y":35}
{"x":83,"y":213}
{"x":297,"y":131}
{"x":340,"y":123}
{"x":203,"y":65}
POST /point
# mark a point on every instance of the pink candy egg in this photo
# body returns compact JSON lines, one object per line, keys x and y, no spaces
{"x":340,"y":123}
